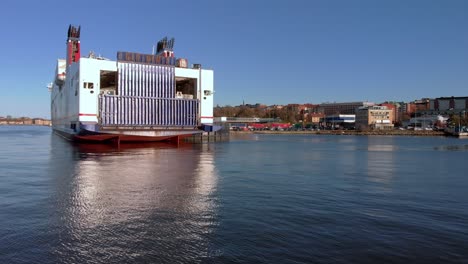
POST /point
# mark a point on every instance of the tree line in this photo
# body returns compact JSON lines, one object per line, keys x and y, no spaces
{"x":286,"y":114}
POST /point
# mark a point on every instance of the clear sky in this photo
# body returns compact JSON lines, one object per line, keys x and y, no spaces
{"x":272,"y":52}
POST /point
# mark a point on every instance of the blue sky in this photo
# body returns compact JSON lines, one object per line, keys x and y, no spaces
{"x":272,"y":52}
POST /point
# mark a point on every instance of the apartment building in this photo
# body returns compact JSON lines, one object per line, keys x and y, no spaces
{"x":373,"y":117}
{"x":448,"y":105}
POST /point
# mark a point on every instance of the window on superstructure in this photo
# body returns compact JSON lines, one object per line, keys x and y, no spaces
{"x":108,"y":81}
{"x":88,"y":85}
{"x":186,"y":88}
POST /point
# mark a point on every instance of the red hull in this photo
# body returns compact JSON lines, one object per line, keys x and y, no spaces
{"x":109,"y":138}
{"x":117,"y":139}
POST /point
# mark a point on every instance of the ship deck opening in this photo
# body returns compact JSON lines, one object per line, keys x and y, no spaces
{"x":108,"y":80}
{"x":186,"y":88}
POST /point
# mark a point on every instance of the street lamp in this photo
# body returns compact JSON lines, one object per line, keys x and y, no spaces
{"x":459,"y":120}
{"x":424,"y":121}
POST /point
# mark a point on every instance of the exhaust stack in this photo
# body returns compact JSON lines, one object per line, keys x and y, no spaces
{"x":73,"y":45}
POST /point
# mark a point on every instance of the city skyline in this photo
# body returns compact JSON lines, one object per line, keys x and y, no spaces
{"x":268,"y":52}
{"x":424,"y":100}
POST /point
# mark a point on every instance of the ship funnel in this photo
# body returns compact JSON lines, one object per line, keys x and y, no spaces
{"x":73,"y":45}
{"x":165,"y":47}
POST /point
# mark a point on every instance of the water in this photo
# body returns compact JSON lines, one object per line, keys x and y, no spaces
{"x":256,"y":199}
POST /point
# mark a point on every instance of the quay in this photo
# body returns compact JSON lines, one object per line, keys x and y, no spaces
{"x":215,"y":136}
{"x":349,"y":132}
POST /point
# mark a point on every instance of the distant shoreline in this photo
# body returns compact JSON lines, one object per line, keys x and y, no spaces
{"x":321,"y":132}
{"x":349,"y":132}
{"x":25,"y":125}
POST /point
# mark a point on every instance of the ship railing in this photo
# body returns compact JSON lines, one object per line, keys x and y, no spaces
{"x":115,"y":110}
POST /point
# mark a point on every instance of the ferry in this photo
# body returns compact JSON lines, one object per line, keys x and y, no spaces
{"x":135,"y":98}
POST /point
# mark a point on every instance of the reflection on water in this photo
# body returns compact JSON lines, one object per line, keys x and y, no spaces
{"x":265,"y":199}
{"x":159,"y":193}
{"x":380,"y":161}
{"x":382,"y":148}
{"x":452,"y":148}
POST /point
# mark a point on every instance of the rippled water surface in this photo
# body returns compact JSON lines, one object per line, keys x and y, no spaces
{"x":255,"y":199}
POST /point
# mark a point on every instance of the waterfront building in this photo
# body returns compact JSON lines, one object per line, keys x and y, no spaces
{"x":417,"y":106}
{"x":310,"y":113}
{"x":395,"y":111}
{"x":447,"y":106}
{"x":428,"y":121}
{"x":346,"y":108}
{"x":339,"y":121}
{"x":438,"y":110}
{"x":314,"y":118}
{"x":373,"y":117}
{"x":41,"y":122}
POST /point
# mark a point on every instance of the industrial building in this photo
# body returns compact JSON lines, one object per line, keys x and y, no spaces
{"x":338,"y":121}
{"x":347,"y":108}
